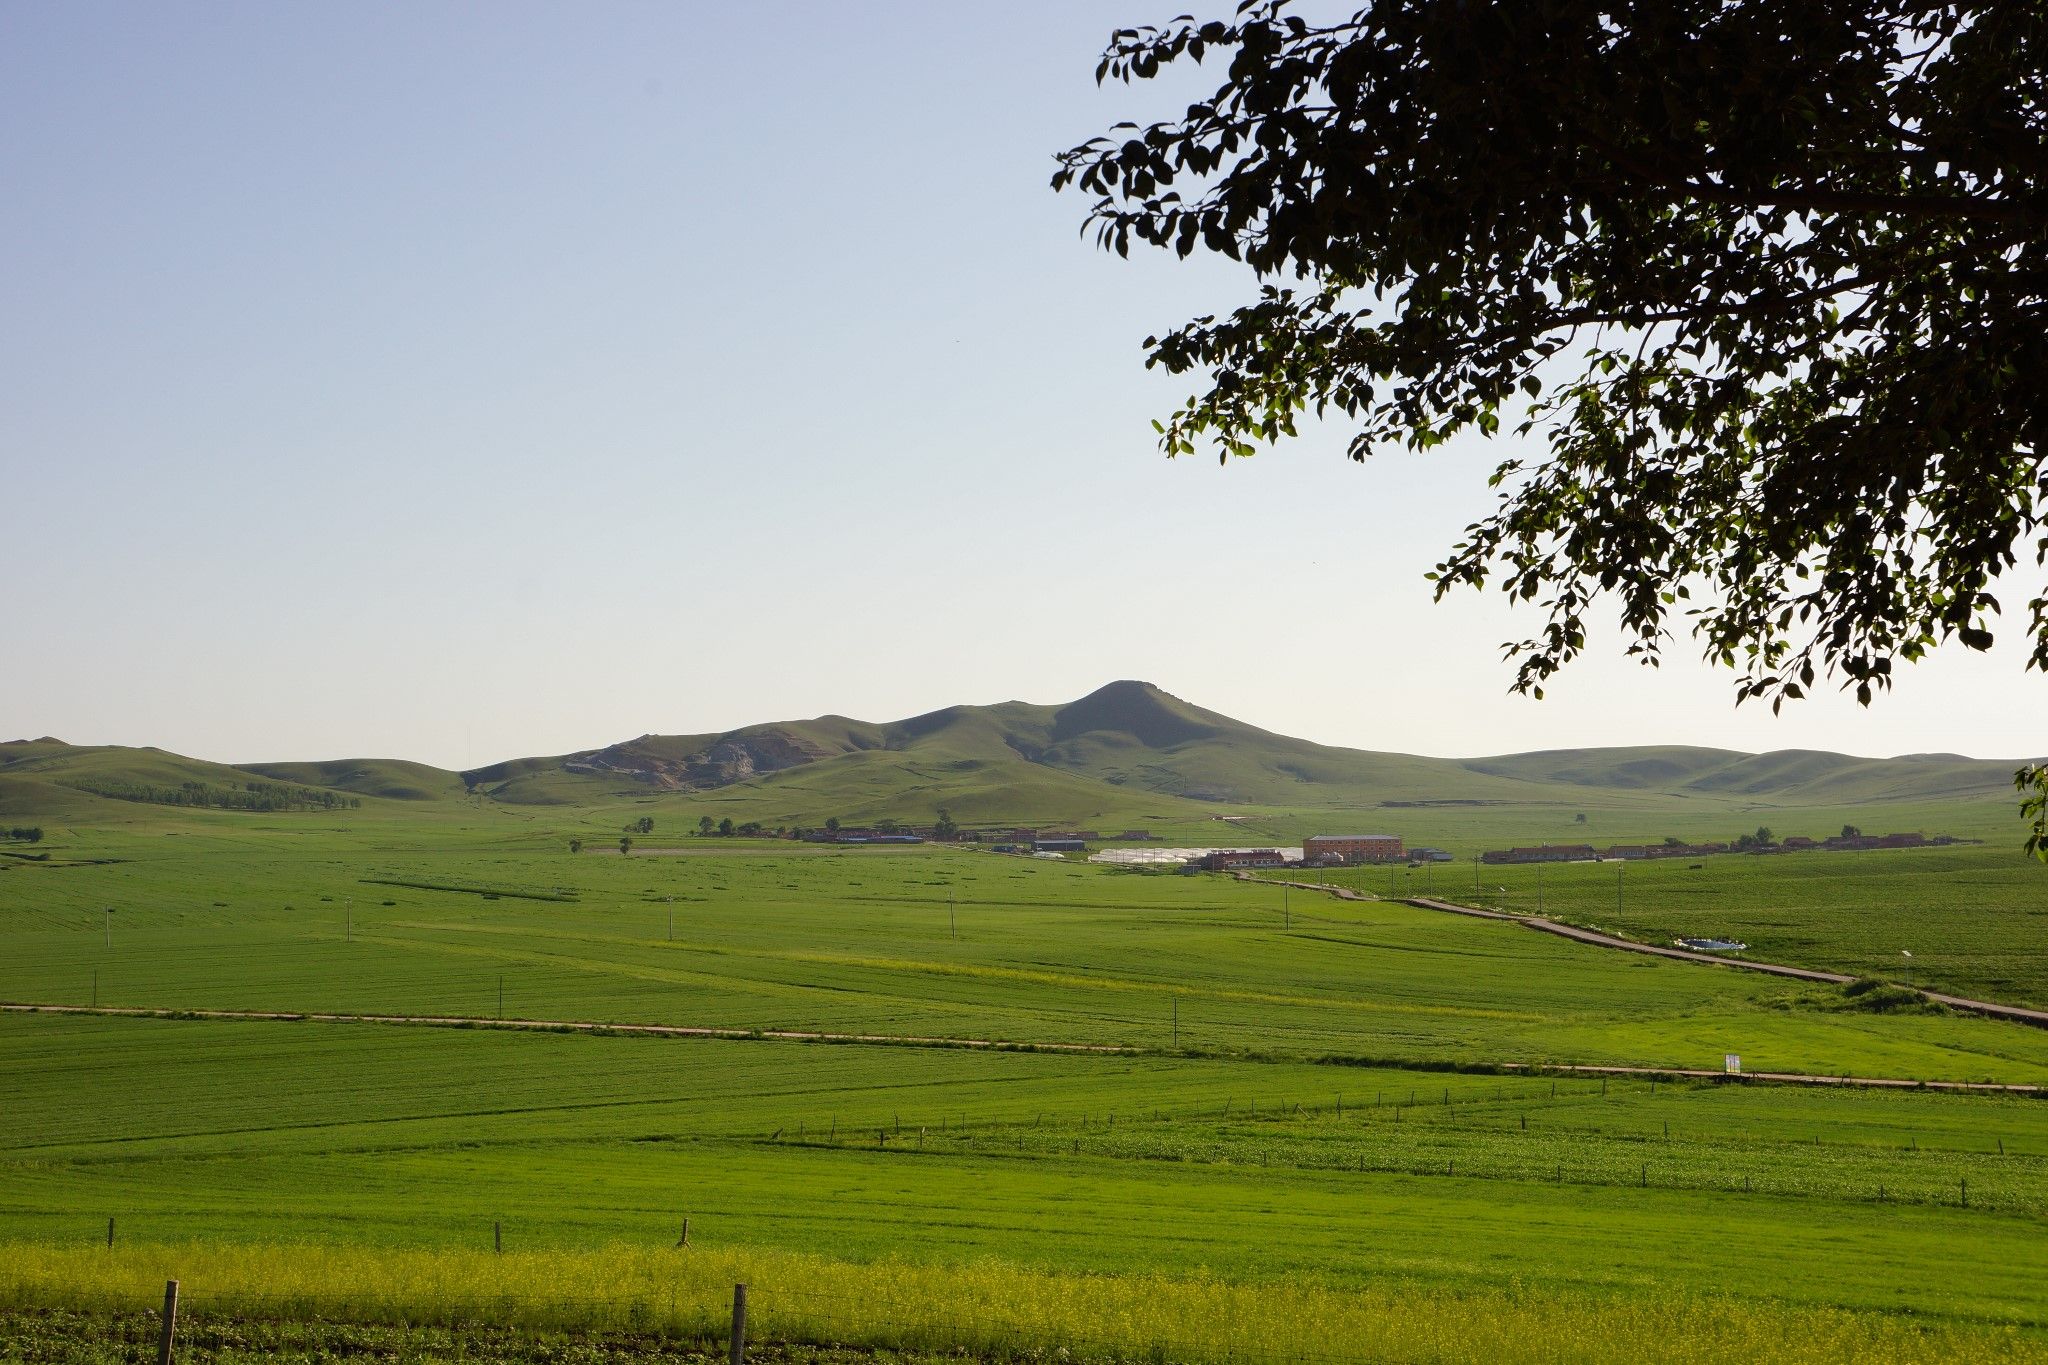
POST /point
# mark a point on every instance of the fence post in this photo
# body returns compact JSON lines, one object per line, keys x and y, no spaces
{"x":684,"y":1240}
{"x":110,"y":1232}
{"x":498,"y":1236}
{"x":739,"y":1324}
{"x":170,"y":1326}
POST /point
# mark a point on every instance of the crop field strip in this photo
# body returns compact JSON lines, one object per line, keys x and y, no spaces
{"x":516,"y":1025}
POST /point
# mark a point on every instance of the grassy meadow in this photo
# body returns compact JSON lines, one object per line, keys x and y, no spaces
{"x":1967,"y":919}
{"x":1305,"y":1110}
{"x":919,"y":941}
{"x":208,"y":1134}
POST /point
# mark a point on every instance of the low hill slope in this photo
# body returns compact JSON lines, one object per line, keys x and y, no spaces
{"x":674,"y":763}
{"x":1137,"y":737}
{"x":52,"y":780}
{"x":1793,"y":776}
{"x":1125,"y":752}
{"x":392,"y":778}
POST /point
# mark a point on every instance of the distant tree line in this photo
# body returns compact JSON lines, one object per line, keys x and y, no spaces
{"x":644,"y":825}
{"x":28,"y":834}
{"x":726,"y":829}
{"x":754,"y":829}
{"x":256,"y":796}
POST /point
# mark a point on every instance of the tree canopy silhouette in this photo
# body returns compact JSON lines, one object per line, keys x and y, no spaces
{"x":1764,"y":278}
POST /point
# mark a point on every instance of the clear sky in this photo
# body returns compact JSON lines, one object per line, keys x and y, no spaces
{"x":455,"y":382}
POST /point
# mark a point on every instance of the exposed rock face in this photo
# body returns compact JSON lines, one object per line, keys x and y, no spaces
{"x":731,"y":758}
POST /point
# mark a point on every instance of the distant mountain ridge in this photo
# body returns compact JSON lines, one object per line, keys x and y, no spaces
{"x":1127,"y":735}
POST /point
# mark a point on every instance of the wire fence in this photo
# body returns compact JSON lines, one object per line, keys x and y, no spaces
{"x":990,"y":1313}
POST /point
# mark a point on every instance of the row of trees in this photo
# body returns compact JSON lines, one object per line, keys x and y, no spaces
{"x":28,"y":834}
{"x":255,"y":796}
{"x":943,"y":828}
{"x":1764,"y":838}
{"x":726,"y":828}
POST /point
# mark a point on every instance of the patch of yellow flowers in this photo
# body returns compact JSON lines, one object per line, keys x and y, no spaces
{"x":982,"y":1308}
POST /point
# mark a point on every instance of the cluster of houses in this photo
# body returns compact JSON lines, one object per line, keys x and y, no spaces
{"x":1672,"y":848}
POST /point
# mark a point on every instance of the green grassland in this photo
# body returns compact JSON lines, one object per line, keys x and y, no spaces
{"x":359,"y":1135}
{"x":1968,"y":919}
{"x":1310,"y":1105}
{"x":924,"y":941}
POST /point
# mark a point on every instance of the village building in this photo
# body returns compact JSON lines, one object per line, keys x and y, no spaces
{"x":1230,"y":859}
{"x":1542,"y":853}
{"x":1353,"y":848}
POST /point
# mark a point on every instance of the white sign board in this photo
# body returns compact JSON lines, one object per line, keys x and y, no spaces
{"x":1733,"y":1061}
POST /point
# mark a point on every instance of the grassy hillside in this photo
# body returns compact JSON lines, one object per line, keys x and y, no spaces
{"x":394,"y":779}
{"x":1790,"y":776}
{"x":54,"y":781}
{"x":1126,"y":756}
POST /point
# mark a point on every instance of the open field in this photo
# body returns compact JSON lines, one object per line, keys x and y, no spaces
{"x":352,"y":1136}
{"x":865,"y":942}
{"x":1974,"y":918}
{"x":624,"y":1303}
{"x":1307,"y":1105}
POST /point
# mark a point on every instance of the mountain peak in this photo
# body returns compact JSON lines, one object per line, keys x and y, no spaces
{"x":1155,"y":718}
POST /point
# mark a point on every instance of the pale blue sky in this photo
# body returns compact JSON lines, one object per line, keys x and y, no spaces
{"x":461,"y":381}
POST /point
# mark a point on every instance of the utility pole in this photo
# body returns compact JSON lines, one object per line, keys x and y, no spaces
{"x":1286,"y":909}
{"x":1539,"y":886}
{"x":671,"y":919}
{"x":1176,"y":1023}
{"x":952,"y":919}
{"x":349,"y":918}
{"x":501,"y":995}
{"x":1619,"y":868}
{"x":110,"y":928}
{"x":1475,"y":876}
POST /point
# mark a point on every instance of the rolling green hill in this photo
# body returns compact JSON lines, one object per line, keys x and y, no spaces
{"x":1802,"y":776}
{"x":1134,"y":736}
{"x":1128,"y":754}
{"x":50,"y":779}
{"x":394,"y":779}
